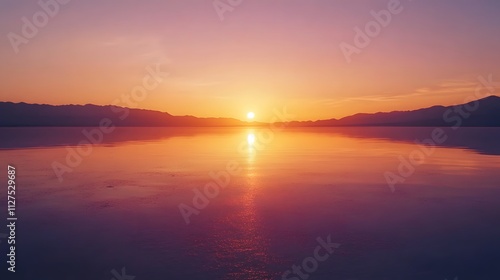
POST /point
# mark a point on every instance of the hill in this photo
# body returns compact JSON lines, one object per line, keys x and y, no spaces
{"x":480,"y":113}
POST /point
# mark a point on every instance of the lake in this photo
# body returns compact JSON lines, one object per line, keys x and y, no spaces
{"x":254,"y":203}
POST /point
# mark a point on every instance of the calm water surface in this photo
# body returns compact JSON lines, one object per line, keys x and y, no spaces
{"x":119,"y":207}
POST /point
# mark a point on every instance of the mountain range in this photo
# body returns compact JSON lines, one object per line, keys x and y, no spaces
{"x":480,"y":113}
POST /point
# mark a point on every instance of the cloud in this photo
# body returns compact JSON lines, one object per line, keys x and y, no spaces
{"x":444,"y":88}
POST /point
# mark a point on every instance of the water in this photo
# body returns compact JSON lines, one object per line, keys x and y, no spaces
{"x":119,"y":205}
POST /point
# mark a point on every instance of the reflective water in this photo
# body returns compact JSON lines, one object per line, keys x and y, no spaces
{"x":116,"y":204}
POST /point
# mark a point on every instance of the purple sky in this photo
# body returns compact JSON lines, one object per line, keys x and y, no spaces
{"x":261,"y":55}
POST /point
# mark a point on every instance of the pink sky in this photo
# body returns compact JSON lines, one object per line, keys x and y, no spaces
{"x":262,"y":55}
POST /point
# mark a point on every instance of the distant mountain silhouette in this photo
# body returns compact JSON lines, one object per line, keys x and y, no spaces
{"x":486,"y":113}
{"x":483,"y":113}
{"x":23,"y":114}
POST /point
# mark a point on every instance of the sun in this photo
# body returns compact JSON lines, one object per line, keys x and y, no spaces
{"x":250,"y":115}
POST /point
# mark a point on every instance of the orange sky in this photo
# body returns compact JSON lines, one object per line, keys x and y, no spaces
{"x":262,"y":55}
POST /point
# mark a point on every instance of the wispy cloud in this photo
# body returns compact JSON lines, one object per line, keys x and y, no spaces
{"x":445,"y":88}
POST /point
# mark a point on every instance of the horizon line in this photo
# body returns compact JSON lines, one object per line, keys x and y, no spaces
{"x":246,"y":121}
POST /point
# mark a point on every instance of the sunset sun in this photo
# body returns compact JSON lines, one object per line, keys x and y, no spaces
{"x":250,"y":115}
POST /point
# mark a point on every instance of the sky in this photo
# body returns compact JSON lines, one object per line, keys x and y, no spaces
{"x":250,"y":55}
